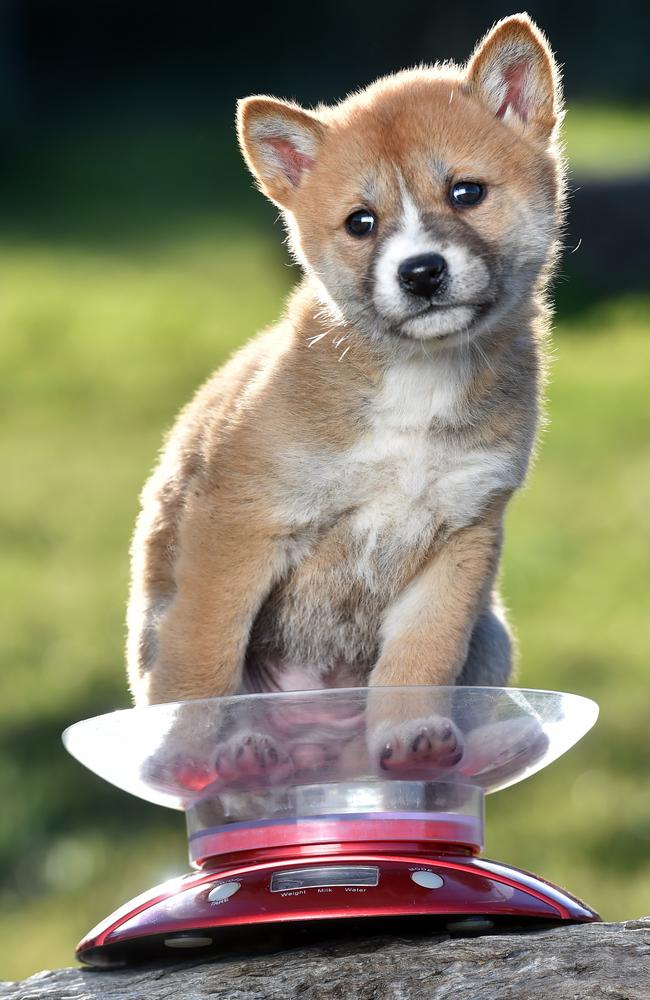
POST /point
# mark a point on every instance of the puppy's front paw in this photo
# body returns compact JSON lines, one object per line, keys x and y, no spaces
{"x":418,"y":748}
{"x":250,"y":760}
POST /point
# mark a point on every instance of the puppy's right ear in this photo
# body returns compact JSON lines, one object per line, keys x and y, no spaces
{"x":280,"y":143}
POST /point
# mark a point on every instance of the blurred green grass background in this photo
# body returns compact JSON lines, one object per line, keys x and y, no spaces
{"x":122,"y":288}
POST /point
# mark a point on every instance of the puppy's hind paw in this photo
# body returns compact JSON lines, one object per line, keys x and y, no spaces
{"x":499,"y":751}
{"x":177,"y":773}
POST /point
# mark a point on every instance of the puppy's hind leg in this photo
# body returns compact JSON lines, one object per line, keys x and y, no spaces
{"x":488,"y":664}
{"x":153,"y":587}
{"x":498,"y":748}
{"x":490,"y":655}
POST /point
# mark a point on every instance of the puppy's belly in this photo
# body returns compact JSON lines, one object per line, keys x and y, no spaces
{"x":310,"y":636}
{"x":266,"y":672}
{"x":320,"y":625}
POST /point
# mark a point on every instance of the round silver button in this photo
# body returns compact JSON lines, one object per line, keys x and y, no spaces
{"x":223,"y":891}
{"x":428,"y":880}
{"x":188,"y":941}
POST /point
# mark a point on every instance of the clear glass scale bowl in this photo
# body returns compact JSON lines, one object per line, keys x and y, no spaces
{"x":259,"y":771}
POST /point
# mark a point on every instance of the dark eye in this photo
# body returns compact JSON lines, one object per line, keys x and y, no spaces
{"x":466,"y":193}
{"x":360,"y":223}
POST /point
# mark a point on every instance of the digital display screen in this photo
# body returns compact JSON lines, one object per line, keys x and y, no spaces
{"x":322,"y":878}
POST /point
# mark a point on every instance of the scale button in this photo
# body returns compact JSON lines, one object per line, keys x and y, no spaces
{"x":428,"y":880}
{"x":223,"y":891}
{"x":188,"y":941}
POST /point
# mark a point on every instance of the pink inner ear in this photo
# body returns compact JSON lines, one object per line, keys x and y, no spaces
{"x":293,"y":161}
{"x":515,"y":80}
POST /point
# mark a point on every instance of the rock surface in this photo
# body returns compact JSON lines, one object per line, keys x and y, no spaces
{"x":579,"y":962}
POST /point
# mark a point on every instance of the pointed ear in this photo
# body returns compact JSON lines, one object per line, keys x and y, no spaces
{"x":280,"y":142}
{"x":513,"y":71}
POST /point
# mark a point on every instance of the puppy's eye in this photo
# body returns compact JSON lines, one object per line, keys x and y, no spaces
{"x":466,"y":193}
{"x":360,"y":223}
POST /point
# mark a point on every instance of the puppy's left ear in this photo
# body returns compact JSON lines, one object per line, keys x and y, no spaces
{"x":513,"y":71}
{"x":280,"y":142}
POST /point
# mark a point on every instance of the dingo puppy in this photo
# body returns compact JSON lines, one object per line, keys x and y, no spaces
{"x":328,"y":510}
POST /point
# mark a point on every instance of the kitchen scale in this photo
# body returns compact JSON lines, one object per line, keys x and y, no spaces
{"x":310,"y":810}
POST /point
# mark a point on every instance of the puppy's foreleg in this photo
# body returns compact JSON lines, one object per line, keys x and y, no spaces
{"x":224,"y":567}
{"x":225,"y":563}
{"x":426,"y":635}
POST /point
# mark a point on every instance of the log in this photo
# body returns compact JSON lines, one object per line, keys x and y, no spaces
{"x":576,"y":962}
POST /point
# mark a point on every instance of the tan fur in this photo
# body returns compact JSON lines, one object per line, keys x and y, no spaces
{"x":286,"y":528}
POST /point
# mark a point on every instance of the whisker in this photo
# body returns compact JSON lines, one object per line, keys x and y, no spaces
{"x":426,"y":353}
{"x":483,"y":356}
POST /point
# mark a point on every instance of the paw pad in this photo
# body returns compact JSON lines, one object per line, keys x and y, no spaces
{"x":425,"y":747}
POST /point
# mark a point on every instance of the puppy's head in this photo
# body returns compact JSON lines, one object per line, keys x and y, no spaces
{"x":425,"y":206}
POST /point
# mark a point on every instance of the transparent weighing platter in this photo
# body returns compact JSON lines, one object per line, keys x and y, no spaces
{"x":355,"y":742}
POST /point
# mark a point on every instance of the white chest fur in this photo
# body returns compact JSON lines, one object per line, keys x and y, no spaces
{"x":402,"y":477}
{"x":413,"y":480}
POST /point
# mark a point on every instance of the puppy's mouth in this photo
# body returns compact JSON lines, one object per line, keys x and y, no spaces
{"x":436,"y":307}
{"x":442,"y":320}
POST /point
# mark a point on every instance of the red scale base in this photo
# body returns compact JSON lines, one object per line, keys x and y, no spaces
{"x":262,"y":899}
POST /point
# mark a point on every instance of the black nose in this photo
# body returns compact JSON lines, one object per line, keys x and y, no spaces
{"x":422,"y":275}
